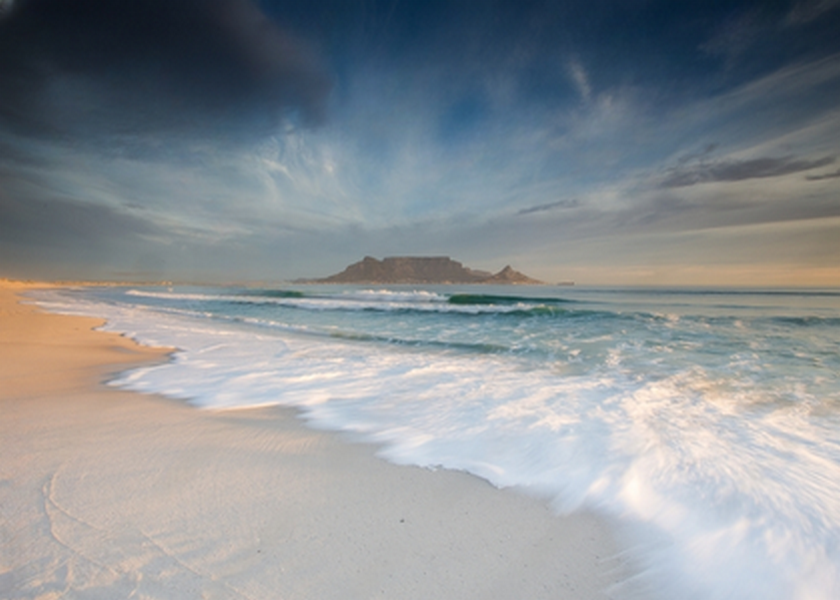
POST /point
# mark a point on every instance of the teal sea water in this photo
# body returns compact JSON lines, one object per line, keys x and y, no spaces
{"x":705,"y":422}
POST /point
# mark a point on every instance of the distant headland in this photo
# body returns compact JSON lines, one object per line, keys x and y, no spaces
{"x":422,"y":269}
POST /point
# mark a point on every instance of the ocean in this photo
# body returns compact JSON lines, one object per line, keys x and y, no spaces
{"x":704,"y":422}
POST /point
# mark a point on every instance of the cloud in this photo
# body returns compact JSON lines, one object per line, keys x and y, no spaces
{"x":702,"y":153}
{"x":834,"y":175}
{"x":572,"y":203}
{"x":581,"y":79}
{"x":739,"y":170}
{"x":447,"y":129}
{"x":806,"y":11}
{"x":191,"y":66}
{"x":52,"y":236}
{"x":735,"y":35}
{"x":64,"y":222}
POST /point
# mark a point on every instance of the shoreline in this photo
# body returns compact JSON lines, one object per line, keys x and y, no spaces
{"x":116,"y":492}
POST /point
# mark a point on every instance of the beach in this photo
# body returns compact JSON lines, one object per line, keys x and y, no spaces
{"x":114,"y":494}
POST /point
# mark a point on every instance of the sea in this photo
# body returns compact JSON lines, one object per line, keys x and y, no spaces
{"x":705,"y":423}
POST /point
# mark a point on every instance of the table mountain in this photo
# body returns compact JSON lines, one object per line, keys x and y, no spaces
{"x":421,"y":269}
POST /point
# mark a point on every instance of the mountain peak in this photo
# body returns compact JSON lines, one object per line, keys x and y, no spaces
{"x":509,"y":275}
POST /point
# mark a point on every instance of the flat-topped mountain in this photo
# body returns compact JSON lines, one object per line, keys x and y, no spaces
{"x":422,"y":269}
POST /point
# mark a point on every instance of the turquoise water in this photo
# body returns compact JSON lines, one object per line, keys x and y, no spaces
{"x":706,"y":422}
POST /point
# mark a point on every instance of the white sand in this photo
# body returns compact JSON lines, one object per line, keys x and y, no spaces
{"x":109,"y":494}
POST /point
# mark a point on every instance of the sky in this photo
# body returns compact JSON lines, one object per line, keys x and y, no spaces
{"x":607,"y":142}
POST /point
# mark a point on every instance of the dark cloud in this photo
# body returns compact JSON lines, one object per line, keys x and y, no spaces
{"x":550,"y":206}
{"x":834,"y":175}
{"x":202,"y":67}
{"x":739,"y":170}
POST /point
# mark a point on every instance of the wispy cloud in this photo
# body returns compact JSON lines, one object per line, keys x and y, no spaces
{"x":739,"y":170}
{"x":580,"y":79}
{"x":806,"y":11}
{"x":735,"y":35}
{"x":560,"y":204}
{"x":800,"y":79}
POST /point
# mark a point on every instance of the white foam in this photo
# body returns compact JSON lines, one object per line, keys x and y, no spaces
{"x":363,"y":300}
{"x":381,"y":295}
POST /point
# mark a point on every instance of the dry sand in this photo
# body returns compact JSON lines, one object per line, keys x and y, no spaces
{"x":111,"y":494}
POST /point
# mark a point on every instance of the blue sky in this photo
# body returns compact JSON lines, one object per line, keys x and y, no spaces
{"x":606,"y":142}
